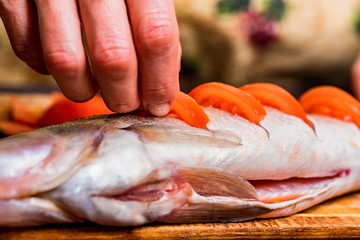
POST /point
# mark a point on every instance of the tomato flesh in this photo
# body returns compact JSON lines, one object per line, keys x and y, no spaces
{"x":230,"y":99}
{"x":187,"y":109}
{"x":331,"y":101}
{"x":275,"y":96}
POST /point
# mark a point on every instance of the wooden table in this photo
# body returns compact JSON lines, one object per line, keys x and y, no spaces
{"x":337,"y":218}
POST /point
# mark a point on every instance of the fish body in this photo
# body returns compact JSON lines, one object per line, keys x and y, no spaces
{"x":128,"y":170}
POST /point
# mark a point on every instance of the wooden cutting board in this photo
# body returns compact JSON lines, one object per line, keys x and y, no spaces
{"x":338,"y":218}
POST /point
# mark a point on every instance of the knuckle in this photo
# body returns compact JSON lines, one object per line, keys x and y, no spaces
{"x":123,"y":107}
{"x":112,"y":57}
{"x":25,"y":52}
{"x":159,"y":92}
{"x":62,"y":59}
{"x":10,"y":6}
{"x":158,"y":35}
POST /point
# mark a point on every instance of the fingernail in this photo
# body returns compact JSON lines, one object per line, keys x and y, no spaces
{"x":159,"y":110}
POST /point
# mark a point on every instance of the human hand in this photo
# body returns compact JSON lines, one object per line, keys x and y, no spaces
{"x":130,"y":71}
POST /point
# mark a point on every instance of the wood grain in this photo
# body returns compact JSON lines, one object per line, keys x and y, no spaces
{"x":338,"y":218}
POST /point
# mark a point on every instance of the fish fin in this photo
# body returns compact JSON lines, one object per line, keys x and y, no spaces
{"x":215,"y":211}
{"x":171,"y":134}
{"x":219,"y":197}
{"x":210,"y":182}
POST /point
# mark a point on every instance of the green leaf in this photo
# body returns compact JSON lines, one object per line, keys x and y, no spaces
{"x":275,"y":9}
{"x":356,"y":23}
{"x":232,"y":6}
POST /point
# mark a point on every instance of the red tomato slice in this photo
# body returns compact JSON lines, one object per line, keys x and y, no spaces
{"x":274,"y":96}
{"x":20,"y":113}
{"x":230,"y":99}
{"x":57,"y":96}
{"x":331,"y":101}
{"x":187,"y":109}
{"x":65,"y":110}
{"x":9,"y":128}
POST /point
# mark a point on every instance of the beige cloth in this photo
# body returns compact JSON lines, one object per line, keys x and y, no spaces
{"x":15,"y":73}
{"x":314,"y":41}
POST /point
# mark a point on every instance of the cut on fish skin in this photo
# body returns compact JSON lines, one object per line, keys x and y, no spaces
{"x":224,"y":197}
{"x":272,"y":191}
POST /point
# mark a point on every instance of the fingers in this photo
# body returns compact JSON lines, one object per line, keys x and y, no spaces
{"x":20,"y":21}
{"x":356,"y":78}
{"x":111,"y":49}
{"x":156,"y":39}
{"x":63,"y":51}
{"x":112,"y":53}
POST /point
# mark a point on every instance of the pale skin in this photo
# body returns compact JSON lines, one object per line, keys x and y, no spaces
{"x":133,"y":46}
{"x":356,"y":78}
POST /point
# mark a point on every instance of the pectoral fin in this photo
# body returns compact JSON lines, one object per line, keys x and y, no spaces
{"x":210,"y":182}
{"x":218,"y":197}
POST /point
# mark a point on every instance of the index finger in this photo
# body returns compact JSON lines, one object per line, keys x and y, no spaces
{"x":156,"y":37}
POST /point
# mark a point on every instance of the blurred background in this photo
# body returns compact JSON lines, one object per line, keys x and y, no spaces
{"x":293,"y":43}
{"x":16,"y":75}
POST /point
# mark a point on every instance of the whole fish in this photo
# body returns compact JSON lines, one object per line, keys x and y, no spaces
{"x":128,"y":170}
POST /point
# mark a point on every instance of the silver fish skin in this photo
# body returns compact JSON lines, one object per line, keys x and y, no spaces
{"x":127,"y":170}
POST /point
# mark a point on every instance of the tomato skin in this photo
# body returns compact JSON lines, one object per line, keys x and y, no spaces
{"x":333,"y":102}
{"x":9,"y":128}
{"x":275,"y":96}
{"x":188,"y":110}
{"x":230,"y":99}
{"x":20,"y":113}
{"x":64,"y":110}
